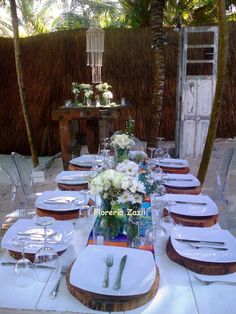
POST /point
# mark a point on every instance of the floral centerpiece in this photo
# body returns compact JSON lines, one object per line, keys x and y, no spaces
{"x":103,"y":94}
{"x":86,"y":93}
{"x":83,"y":93}
{"x":122,"y":143}
{"x":122,"y":191}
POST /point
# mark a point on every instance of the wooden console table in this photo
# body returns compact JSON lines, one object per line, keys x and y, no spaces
{"x":69,"y":117}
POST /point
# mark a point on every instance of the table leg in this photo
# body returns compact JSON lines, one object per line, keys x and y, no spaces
{"x":65,"y":138}
{"x":92,"y":139}
{"x":106,"y":124}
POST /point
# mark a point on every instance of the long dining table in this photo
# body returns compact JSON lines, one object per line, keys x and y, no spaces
{"x":178,"y":293}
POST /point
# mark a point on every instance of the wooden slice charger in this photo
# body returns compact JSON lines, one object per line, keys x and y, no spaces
{"x":70,"y":187}
{"x":108,"y":303}
{"x":61,"y":215}
{"x":175,"y":170}
{"x":58,"y":215}
{"x":17,"y":255}
{"x":78,"y":168}
{"x":192,"y":190}
{"x":206,"y":268}
{"x":193,"y":221}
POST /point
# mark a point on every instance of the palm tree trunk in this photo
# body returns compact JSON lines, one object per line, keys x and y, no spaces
{"x":156,"y":109}
{"x":19,"y":72}
{"x":218,"y":99}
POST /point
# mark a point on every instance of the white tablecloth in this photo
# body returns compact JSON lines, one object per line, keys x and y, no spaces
{"x":178,"y":293}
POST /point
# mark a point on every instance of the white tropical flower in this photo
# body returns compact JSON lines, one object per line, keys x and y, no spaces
{"x":128,"y":167}
{"x":122,"y":141}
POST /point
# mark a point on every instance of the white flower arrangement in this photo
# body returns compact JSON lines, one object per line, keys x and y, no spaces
{"x":118,"y":187}
{"x":122,"y":141}
{"x":86,"y":89}
{"x":103,"y":87}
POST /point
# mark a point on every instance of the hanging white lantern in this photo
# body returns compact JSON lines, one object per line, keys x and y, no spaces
{"x":95,"y":49}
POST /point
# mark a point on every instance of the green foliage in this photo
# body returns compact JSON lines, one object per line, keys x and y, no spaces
{"x":70,"y":20}
{"x":81,"y":12}
{"x":137,"y":13}
{"x":129,"y":126}
{"x":37,"y":17}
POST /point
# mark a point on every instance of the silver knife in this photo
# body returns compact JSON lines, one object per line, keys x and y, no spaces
{"x":37,"y":266}
{"x":172,"y":163}
{"x":73,"y":178}
{"x":35,"y":235}
{"x":117,"y":284}
{"x":201,"y":241}
{"x":189,"y":203}
{"x":175,"y":179}
{"x":209,"y":247}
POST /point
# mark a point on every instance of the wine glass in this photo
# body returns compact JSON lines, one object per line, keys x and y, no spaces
{"x":86,"y":209}
{"x":167,"y":221}
{"x":98,"y":163}
{"x":151,"y":150}
{"x":159,"y":141}
{"x":161,"y":189}
{"x":104,"y":148}
{"x":157,"y":208}
{"x":166,"y":155}
{"x":159,"y":155}
{"x":137,"y":241}
{"x":157,"y":236}
{"x":46,"y":255}
{"x":24,"y":268}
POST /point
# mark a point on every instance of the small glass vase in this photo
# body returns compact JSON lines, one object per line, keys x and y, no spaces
{"x":78,"y":101}
{"x":111,"y":220}
{"x":133,"y":224}
{"x":88,"y":102}
{"x":121,"y":154}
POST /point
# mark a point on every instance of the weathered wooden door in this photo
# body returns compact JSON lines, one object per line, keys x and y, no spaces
{"x":196,"y":87}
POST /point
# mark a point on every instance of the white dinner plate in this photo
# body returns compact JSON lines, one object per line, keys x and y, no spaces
{"x":172,"y":162}
{"x":74,"y":177}
{"x":193,"y":205}
{"x":204,"y":234}
{"x":84,"y":160}
{"x":62,"y":229}
{"x":61,"y":200}
{"x":88,"y":270}
{"x":179,"y":180}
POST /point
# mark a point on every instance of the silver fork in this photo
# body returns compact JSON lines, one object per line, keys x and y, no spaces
{"x":109,"y":264}
{"x":54,"y":291}
{"x":209,"y":282}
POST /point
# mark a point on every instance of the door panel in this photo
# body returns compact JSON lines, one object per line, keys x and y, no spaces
{"x":196,"y":88}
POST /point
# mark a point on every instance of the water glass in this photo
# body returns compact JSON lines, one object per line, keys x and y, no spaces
{"x":24,"y":268}
{"x":157,"y":236}
{"x":46,"y":255}
{"x":161,"y":238}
